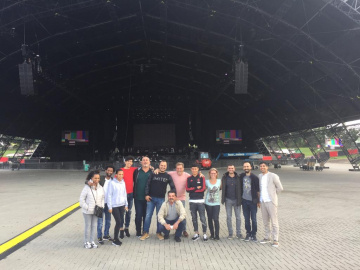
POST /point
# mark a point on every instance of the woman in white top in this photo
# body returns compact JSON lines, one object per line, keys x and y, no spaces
{"x":91,"y":195}
{"x":212,"y":203}
{"x":117,"y":204}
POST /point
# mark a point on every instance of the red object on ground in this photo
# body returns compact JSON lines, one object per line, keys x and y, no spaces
{"x":333,"y":154}
{"x":206,"y":163}
{"x":267,"y":157}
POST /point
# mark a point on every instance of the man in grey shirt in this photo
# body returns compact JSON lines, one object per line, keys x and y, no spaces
{"x":250,"y":191}
{"x":171,"y":216}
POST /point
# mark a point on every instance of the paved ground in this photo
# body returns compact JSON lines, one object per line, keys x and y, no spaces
{"x":319,"y":228}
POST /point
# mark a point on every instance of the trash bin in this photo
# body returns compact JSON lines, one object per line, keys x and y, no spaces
{"x":86,"y":167}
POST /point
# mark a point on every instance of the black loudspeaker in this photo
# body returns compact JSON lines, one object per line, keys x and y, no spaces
{"x":241,"y":77}
{"x":26,"y":79}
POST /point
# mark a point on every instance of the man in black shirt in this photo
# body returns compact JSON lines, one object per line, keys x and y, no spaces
{"x":155,"y":191}
{"x":250,"y":192}
{"x":230,"y":185}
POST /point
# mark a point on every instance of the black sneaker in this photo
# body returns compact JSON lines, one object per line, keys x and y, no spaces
{"x":107,"y":237}
{"x":247,"y":238}
{"x":177,"y":239}
{"x":166,"y":237}
{"x":121,"y":234}
{"x":138,"y":234}
{"x":127,"y":232}
{"x":217,"y":238}
{"x":100,"y":240}
{"x":253,"y":238}
{"x":116,"y":242}
{"x":212,"y":237}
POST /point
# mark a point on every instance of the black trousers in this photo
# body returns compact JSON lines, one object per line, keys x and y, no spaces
{"x":118,"y":214}
{"x":213,"y":218}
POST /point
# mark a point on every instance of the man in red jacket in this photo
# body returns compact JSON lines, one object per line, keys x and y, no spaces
{"x":195,"y":185}
{"x":129,"y":183}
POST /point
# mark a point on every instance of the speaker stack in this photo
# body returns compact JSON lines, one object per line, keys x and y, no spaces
{"x":241,"y":77}
{"x":26,"y":79}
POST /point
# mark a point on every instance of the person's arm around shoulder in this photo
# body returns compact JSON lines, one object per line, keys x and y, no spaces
{"x":277,"y":183}
{"x":82,"y":199}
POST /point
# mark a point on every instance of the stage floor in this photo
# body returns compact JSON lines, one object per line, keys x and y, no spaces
{"x":319,"y":217}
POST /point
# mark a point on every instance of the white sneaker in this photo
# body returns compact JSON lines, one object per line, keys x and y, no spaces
{"x":196,"y":237}
{"x":87,"y":245}
{"x":93,"y":245}
{"x":205,"y":238}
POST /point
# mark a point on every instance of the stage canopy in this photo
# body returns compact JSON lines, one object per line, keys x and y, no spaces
{"x":92,"y":56}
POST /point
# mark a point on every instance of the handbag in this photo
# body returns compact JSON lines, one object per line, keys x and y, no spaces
{"x":98,"y":211}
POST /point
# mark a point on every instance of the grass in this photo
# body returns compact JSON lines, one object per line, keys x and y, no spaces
{"x":306,"y":151}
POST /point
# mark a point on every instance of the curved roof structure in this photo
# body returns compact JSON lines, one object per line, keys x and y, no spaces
{"x":100,"y":57}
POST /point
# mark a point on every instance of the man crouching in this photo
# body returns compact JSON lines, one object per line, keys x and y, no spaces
{"x":171,"y":216}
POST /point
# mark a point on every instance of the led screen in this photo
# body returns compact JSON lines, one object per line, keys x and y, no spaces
{"x":228,"y":136}
{"x":75,"y":137}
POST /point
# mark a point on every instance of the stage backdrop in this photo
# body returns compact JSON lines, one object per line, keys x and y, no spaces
{"x":153,"y":135}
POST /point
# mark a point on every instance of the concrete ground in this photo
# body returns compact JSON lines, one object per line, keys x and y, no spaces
{"x":319,"y":216}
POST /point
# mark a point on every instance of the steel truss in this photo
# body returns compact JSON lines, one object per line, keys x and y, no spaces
{"x":290,"y":143}
{"x":350,"y":8}
{"x":272,"y":143}
{"x":260,"y":144}
{"x":348,"y":144}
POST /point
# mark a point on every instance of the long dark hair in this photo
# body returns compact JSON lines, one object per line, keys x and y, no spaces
{"x":91,"y":175}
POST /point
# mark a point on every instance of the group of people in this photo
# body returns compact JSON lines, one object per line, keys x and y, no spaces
{"x":146,"y":187}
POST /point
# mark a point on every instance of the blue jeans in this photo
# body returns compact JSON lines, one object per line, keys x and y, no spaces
{"x":155,"y":202}
{"x":250,"y":210}
{"x":140,"y":214}
{"x":184,"y":221}
{"x":229,"y":205}
{"x":194,"y":209}
{"x":107,"y":222}
{"x":130,"y":201}
{"x":179,"y":230}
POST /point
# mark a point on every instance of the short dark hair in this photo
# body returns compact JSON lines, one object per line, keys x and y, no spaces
{"x":118,"y":170}
{"x":110,"y":166}
{"x":129,"y":158}
{"x":163,"y":160}
{"x":172,"y":191}
{"x":247,"y":162}
{"x":91,"y":175}
{"x":263,"y":162}
{"x":195,"y":165}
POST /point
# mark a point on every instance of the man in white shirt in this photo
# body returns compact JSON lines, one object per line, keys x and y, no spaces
{"x":270,"y":186}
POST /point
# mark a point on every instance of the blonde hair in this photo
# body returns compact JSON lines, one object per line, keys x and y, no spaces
{"x":179,"y":164}
{"x":214,"y":169}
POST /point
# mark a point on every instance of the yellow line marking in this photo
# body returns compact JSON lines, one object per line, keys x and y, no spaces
{"x":18,"y":239}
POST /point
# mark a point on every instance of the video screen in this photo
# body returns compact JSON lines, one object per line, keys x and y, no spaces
{"x":154,"y":135}
{"x":229,"y":136}
{"x":75,"y":137}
